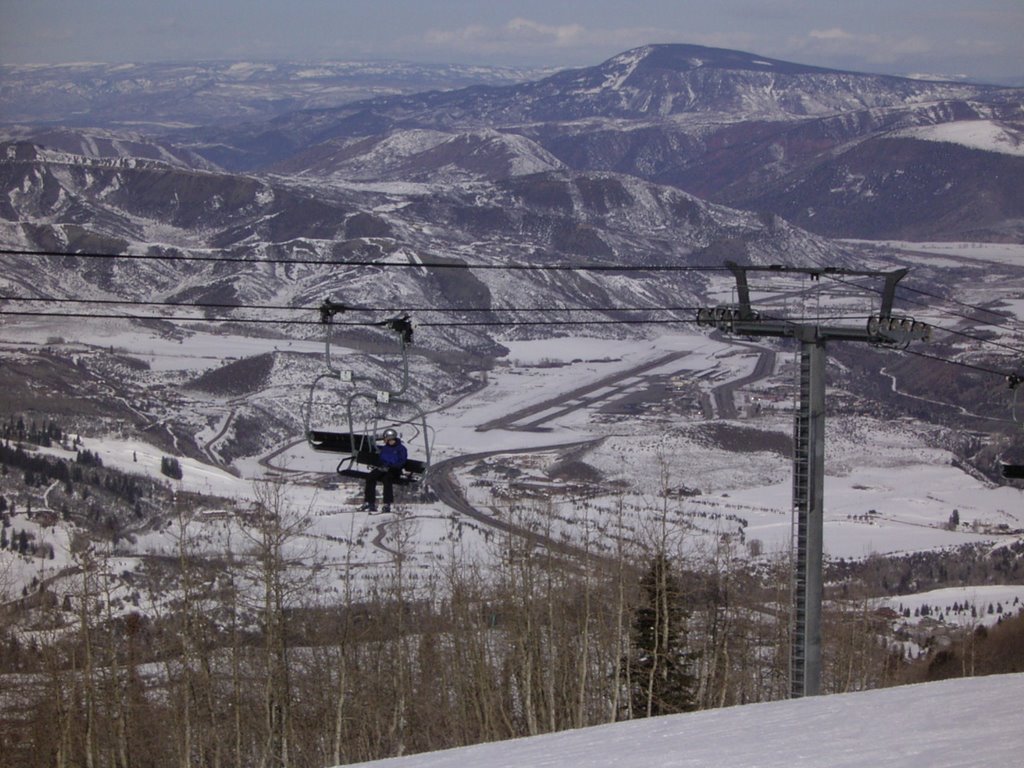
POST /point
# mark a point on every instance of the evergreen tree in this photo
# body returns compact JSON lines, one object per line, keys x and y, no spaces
{"x":659,"y":665}
{"x":170,"y":467}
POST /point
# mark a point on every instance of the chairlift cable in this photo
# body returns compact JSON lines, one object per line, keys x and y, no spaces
{"x":272,"y":321}
{"x":945,"y":299}
{"x":377,"y":309}
{"x":965,"y":304}
{"x":964,"y":334}
{"x":959,"y":363}
{"x":222,"y":259}
{"x":164,"y":318}
{"x":356,"y":308}
{"x":449,"y":324}
{"x":154,"y":303}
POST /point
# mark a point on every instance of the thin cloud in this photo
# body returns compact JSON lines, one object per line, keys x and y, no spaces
{"x":835,"y":33}
{"x":521,"y":36}
{"x":544,"y":34}
{"x":515,"y":32}
{"x":871,"y":48}
{"x":55,"y":35}
{"x":166,"y":25}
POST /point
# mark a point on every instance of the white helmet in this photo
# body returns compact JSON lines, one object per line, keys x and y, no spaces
{"x":390,"y":434}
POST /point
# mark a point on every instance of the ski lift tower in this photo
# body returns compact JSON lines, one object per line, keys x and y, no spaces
{"x":809,"y":437}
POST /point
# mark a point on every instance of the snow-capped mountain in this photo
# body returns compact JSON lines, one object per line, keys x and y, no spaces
{"x":651,"y":82}
{"x":621,"y":161}
{"x":824,"y":148}
{"x":728,"y":126}
{"x":624,"y":162}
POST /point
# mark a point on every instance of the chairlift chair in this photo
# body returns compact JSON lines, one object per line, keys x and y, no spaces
{"x":1013,"y":471}
{"x":359,"y":441}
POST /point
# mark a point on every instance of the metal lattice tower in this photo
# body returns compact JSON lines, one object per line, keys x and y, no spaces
{"x":808,"y":513}
{"x":809,"y":440}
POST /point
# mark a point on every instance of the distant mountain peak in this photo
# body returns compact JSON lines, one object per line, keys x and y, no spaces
{"x":683,"y":57}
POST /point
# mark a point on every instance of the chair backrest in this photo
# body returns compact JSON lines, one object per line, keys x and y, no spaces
{"x":1013,"y":471}
{"x":359,"y":446}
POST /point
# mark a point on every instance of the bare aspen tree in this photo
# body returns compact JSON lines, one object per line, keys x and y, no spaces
{"x":56,"y":703}
{"x":191,"y":677}
{"x":520,"y":588}
{"x":339,"y":662}
{"x":399,"y":595}
{"x":116,"y":701}
{"x":160,"y":583}
{"x":230,"y":605}
{"x":279,"y":573}
{"x":86,"y":564}
{"x":583,"y":657}
{"x":186,"y":615}
{"x":854,"y":656}
{"x":431,"y":707}
{"x":969,"y":647}
{"x":716,"y":618}
{"x":456,"y":621}
{"x":781,"y":585}
{"x":547,"y":647}
{"x":474,"y":616}
{"x":624,"y":572}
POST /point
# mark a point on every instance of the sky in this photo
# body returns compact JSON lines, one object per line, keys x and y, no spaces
{"x":975,"y":38}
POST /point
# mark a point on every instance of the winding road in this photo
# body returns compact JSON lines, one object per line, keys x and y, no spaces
{"x":448,"y":490}
{"x":531,"y":418}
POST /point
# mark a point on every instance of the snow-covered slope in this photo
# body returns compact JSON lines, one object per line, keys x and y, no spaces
{"x":984,"y":135}
{"x":966,"y":723}
{"x":424,"y":156}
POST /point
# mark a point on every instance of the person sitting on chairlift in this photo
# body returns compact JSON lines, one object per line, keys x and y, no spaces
{"x":393,"y":456}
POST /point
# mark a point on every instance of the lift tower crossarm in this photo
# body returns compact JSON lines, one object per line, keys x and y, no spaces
{"x":747,"y":322}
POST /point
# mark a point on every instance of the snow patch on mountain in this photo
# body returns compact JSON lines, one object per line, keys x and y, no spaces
{"x":622,"y":67}
{"x":986,"y":135}
{"x":419,"y":154}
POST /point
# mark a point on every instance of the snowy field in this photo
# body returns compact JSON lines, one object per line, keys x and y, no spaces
{"x":966,"y":723}
{"x":960,"y":606}
{"x":161,"y":352}
{"x":886,"y":492}
{"x":987,"y":135}
{"x":956,"y":253}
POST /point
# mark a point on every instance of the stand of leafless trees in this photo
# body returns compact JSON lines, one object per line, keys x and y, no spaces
{"x":247,"y":668}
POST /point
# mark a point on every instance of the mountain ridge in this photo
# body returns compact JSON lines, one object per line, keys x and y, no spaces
{"x":731,"y":127}
{"x":630,"y":160}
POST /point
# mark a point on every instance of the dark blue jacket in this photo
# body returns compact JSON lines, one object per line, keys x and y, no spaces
{"x":393,"y":456}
